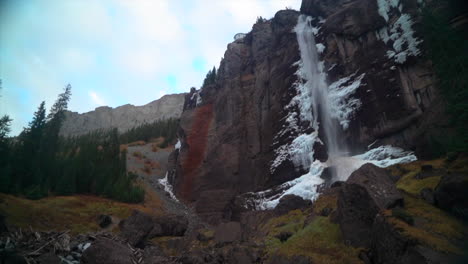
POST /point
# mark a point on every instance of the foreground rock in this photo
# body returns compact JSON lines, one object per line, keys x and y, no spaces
{"x":139,"y":227}
{"x":368,"y":190}
{"x":291,"y":202}
{"x":106,"y":251}
{"x":451,"y":194}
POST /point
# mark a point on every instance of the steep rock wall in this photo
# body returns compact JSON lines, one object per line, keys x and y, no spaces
{"x":123,"y":117}
{"x":362,"y":43}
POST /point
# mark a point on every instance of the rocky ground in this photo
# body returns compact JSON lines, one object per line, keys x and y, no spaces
{"x":413,"y":213}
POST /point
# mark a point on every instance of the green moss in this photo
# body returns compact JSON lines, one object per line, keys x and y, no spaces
{"x":320,"y":240}
{"x":325,"y":201}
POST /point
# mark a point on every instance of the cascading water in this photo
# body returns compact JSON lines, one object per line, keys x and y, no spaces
{"x":325,"y":107}
{"x":315,"y":82}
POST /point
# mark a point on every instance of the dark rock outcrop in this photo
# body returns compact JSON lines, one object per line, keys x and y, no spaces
{"x":230,"y":129}
{"x":450,"y":194}
{"x":136,"y":228}
{"x":227,"y":233}
{"x":104,"y":221}
{"x":368,"y":190}
{"x":291,"y":202}
{"x":140,"y":226}
{"x":106,"y":251}
{"x":378,"y":183}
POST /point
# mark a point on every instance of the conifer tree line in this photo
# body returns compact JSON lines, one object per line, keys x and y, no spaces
{"x":447,"y":49}
{"x":210,"y":77}
{"x":39,"y":162}
{"x":166,"y":128}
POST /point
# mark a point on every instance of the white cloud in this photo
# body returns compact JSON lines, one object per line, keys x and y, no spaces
{"x":96,"y":99}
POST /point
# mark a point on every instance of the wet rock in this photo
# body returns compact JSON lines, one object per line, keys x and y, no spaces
{"x":106,"y":251}
{"x":227,"y":233}
{"x":136,"y":228}
{"x":291,"y":202}
{"x":337,"y":184}
{"x":104,"y":220}
{"x":450,"y":194}
{"x":427,"y":194}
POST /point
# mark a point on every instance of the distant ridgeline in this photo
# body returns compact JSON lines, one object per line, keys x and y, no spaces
{"x":123,"y":117}
{"x":40,"y":162}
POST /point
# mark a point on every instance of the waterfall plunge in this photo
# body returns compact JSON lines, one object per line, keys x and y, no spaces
{"x":315,"y":82}
{"x":320,"y":105}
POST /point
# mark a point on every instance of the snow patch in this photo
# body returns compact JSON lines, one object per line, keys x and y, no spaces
{"x":341,"y":104}
{"x":320,"y":48}
{"x":405,"y":44}
{"x":178,"y":144}
{"x":385,"y":156}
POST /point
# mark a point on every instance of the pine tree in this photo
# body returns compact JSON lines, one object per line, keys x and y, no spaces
{"x":49,"y":144}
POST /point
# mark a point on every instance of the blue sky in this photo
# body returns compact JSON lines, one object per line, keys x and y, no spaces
{"x":114,"y":52}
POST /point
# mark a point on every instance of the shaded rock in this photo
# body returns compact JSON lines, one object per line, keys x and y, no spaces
{"x":328,"y":174}
{"x":389,"y":246}
{"x":355,"y":214}
{"x":205,"y":235}
{"x":227,"y":232}
{"x":172,"y":225}
{"x":106,"y":251}
{"x":283,"y":236}
{"x":337,"y":184}
{"x":378,"y":183}
{"x":427,"y":194}
{"x":3,"y":227}
{"x":291,"y":202}
{"x":154,"y":255}
{"x":136,"y":228}
{"x":355,"y":19}
{"x":216,"y":205}
{"x":49,"y":258}
{"x":326,"y":211}
{"x":450,"y":194}
{"x":104,"y":221}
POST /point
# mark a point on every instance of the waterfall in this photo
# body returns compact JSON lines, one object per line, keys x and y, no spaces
{"x":328,"y":110}
{"x":316,"y":83}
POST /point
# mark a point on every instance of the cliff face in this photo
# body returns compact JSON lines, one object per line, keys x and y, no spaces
{"x":123,"y":117}
{"x":374,"y":61}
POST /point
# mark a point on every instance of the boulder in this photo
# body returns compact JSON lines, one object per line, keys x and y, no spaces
{"x":378,"y":183}
{"x":450,"y":194}
{"x":104,"y":221}
{"x":291,"y":202}
{"x":367,"y":191}
{"x":106,"y":251}
{"x":171,"y":225}
{"x":227,"y":233}
{"x":355,"y":214}
{"x":388,"y":246}
{"x":427,"y":194}
{"x":136,"y":228}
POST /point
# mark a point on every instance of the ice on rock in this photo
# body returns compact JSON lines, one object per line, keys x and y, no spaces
{"x":167,"y":186}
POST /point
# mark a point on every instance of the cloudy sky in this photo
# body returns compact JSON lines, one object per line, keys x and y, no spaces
{"x":114,"y":52}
